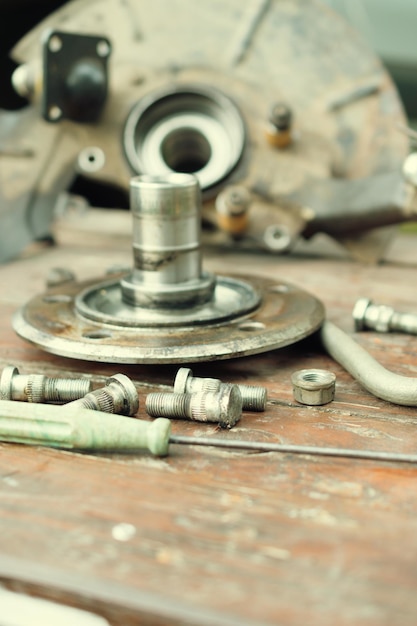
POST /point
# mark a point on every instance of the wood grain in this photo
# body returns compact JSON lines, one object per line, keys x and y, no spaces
{"x":246,"y":537}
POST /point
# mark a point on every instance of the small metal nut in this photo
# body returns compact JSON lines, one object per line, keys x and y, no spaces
{"x":313,"y":386}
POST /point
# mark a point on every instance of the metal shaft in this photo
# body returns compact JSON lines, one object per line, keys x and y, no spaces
{"x":166,"y":243}
{"x":223,"y":406}
{"x":383,"y":318}
{"x":262,"y":446}
{"x":253,"y":398}
{"x":40,"y":388}
{"x":365,"y":369}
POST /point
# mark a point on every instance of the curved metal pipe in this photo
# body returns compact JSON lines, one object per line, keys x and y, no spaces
{"x":366,"y":370}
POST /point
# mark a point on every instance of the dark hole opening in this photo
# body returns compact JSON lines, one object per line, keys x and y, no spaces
{"x":186,"y":150}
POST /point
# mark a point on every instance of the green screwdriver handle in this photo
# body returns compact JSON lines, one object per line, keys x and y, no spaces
{"x":80,"y":429}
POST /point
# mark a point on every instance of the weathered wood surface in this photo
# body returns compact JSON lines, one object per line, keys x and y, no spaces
{"x":258,"y":538}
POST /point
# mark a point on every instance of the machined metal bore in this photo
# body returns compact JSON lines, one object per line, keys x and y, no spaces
{"x":189,"y":128}
{"x":166,"y":243}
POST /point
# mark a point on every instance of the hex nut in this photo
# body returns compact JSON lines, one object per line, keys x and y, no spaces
{"x":313,"y":387}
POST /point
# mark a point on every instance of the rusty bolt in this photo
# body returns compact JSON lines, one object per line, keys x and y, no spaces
{"x":223,"y":406}
{"x":253,"y":398}
{"x":40,"y":388}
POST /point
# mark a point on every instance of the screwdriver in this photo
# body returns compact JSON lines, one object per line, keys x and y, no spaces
{"x":78,"y":428}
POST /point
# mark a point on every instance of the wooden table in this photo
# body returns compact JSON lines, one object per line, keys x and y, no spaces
{"x":215,"y":536}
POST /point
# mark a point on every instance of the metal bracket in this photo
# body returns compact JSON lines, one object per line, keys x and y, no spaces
{"x":75,"y":76}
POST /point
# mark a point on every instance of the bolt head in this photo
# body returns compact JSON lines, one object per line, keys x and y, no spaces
{"x":181,"y":380}
{"x":9,"y":372}
{"x":230,"y":405}
{"x":130,"y":394}
{"x":359,"y":312}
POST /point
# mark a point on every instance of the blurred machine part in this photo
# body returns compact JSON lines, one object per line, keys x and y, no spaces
{"x":197,"y":95}
{"x":389,"y":28}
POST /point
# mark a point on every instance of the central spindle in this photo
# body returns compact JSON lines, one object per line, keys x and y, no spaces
{"x":166,"y":244}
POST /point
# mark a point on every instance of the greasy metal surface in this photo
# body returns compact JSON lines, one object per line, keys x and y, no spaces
{"x":104,"y":303}
{"x":256,"y":53}
{"x":286,"y":314}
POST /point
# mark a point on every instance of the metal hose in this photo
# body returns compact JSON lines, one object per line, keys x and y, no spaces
{"x":366,"y":370}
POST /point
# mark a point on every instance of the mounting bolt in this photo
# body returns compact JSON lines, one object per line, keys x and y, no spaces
{"x":253,"y":398}
{"x":313,"y":387}
{"x":119,"y":396}
{"x":278,"y":131}
{"x":232,"y":206}
{"x":223,"y":406}
{"x":40,"y":388}
{"x":382,"y":318}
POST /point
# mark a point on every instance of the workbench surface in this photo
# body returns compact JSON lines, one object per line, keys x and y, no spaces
{"x":217,"y":536}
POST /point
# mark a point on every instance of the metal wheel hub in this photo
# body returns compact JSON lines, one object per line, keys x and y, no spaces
{"x":285,"y":315}
{"x":167,"y":310}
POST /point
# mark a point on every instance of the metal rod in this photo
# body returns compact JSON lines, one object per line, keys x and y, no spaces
{"x":372,"y":455}
{"x":366,"y":370}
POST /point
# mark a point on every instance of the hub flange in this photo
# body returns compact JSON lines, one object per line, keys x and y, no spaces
{"x":285,"y":315}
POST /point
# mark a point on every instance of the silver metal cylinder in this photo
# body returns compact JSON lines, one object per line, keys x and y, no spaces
{"x":40,"y":388}
{"x":166,"y":243}
{"x":223,"y":406}
{"x":253,"y":398}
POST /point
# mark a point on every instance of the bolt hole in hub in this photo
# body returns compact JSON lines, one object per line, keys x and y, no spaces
{"x":189,"y":129}
{"x":167,"y":309}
